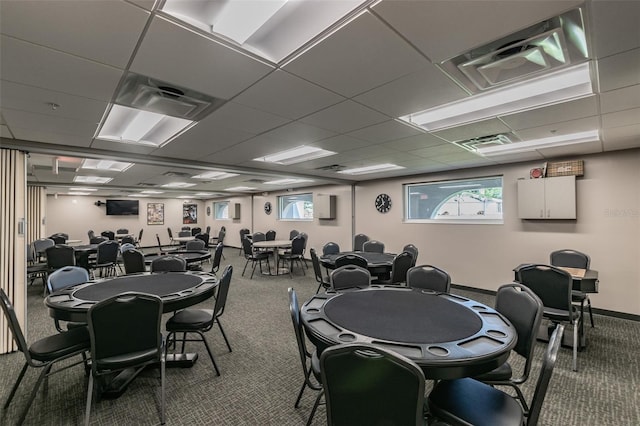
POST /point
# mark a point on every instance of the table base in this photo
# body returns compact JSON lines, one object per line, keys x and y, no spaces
{"x":181,"y":360}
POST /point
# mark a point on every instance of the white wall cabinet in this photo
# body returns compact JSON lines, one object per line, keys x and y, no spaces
{"x":325,"y":206}
{"x":548,"y":198}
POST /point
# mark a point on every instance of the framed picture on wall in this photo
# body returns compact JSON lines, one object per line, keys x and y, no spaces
{"x":155,"y":214}
{"x":189,"y":213}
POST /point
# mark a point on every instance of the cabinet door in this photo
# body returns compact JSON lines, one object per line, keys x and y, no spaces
{"x":560,"y":197}
{"x":531,"y":199}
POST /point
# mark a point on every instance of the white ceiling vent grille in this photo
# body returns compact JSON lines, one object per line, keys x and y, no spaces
{"x":547,"y":46}
{"x":486,"y":141}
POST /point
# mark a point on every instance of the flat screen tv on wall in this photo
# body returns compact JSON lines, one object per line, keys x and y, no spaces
{"x":122,"y":207}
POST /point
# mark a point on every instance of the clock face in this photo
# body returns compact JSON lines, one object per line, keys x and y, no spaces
{"x":383,"y":203}
{"x":267,"y":207}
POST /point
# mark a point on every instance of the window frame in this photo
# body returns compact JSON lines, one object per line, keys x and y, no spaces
{"x":215,"y":210}
{"x":466,"y":220}
{"x":279,"y":204}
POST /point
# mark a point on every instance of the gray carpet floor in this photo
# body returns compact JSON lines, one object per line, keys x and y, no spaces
{"x":261,"y":377}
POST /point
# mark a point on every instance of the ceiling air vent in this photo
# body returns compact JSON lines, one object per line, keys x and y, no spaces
{"x":176,"y":174}
{"x":255,"y":181}
{"x":547,"y":46}
{"x":332,"y":168}
{"x":485,"y":142}
{"x":151,"y":185}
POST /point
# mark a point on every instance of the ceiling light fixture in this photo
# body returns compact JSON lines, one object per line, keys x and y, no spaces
{"x":295,"y":155}
{"x":535,"y":144}
{"x":214,"y":175}
{"x":371,"y":169}
{"x":78,"y":193}
{"x":92,"y":179}
{"x":287,"y":181}
{"x":567,"y":84}
{"x":115,"y":166}
{"x":204,"y":194}
{"x":239,"y":20}
{"x":178,"y":185}
{"x":149,"y":191}
{"x":83,"y":189}
{"x":241,"y":188}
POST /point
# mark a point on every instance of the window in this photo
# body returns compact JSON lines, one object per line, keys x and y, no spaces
{"x":221,"y":210}
{"x":295,"y":207}
{"x":468,"y":200}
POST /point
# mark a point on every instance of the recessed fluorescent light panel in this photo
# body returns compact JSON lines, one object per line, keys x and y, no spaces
{"x":137,"y":195}
{"x":287,"y":181}
{"x":83,"y":189}
{"x":295,"y":155}
{"x":272,"y":29}
{"x":78,"y":193}
{"x":533,"y":145}
{"x":178,"y":185}
{"x":560,"y":86}
{"x":371,"y":169}
{"x":204,"y":194}
{"x":241,"y":188}
{"x":115,"y":166}
{"x":92,"y":179}
{"x":215,"y":175}
{"x":149,"y":191}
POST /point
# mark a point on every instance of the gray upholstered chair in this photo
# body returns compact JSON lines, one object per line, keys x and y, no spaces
{"x":373,"y":246}
{"x":350,"y":276}
{"x":569,"y":258}
{"x":169,"y":263}
{"x":429,"y":277}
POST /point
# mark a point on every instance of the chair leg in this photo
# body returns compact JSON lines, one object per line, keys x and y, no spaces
{"x":590,"y":313}
{"x":245,"y":267}
{"x":42,"y":375}
{"x":162,"y":390}
{"x":206,"y":345}
{"x":15,"y":386}
{"x":223,"y":334}
{"x":575,"y":345}
{"x":315,"y":407}
{"x":87,"y":411}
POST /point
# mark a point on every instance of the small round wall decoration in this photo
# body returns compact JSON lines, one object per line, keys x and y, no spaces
{"x":383,"y":203}
{"x":208,"y":210}
{"x":267,"y":207}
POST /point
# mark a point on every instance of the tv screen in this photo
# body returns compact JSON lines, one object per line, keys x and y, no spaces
{"x":122,"y":207}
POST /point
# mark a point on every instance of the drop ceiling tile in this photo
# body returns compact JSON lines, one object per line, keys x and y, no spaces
{"x":202,"y":140}
{"x":424,"y":140}
{"x":119,"y":148}
{"x":286,"y":95}
{"x":90,"y":29}
{"x":626,"y":137}
{"x":621,"y":118}
{"x":445,"y":29}
{"x":237,"y":116}
{"x":146,"y":4}
{"x":174,"y":54}
{"x":572,"y":150}
{"x":46,"y":136}
{"x":465,"y":157}
{"x":619,"y":70}
{"x":564,"y":128}
{"x":580,"y":108}
{"x":4,"y":132}
{"x":438,"y":151}
{"x":33,"y":65}
{"x":341,"y":143}
{"x":295,"y":134}
{"x":386,"y":131}
{"x":620,"y":99}
{"x":363,"y":54}
{"x":517,"y":157}
{"x":615,"y":26}
{"x":48,"y":123}
{"x":473,"y":130}
{"x":345,"y":117}
{"x":423,"y":89}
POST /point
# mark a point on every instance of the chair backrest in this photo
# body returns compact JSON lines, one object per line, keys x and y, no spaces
{"x":330,"y":248}
{"x":97,"y":240}
{"x":429,"y":277}
{"x":58,"y":239}
{"x":184,"y":234}
{"x":293,"y":233}
{"x":548,"y":363}
{"x":39,"y":246}
{"x":373,"y":246}
{"x":204,"y":238}
{"x":126,"y":246}
{"x":368,"y":385}
{"x":217,"y":257}
{"x":358,"y":241}
{"x":401,"y":264}
{"x":14,"y":325}
{"x":223,"y":228}
{"x":195,"y":245}
{"x":91,"y":234}
{"x":350,"y":276}
{"x":140,"y":315}
{"x":133,"y":261}
{"x":159,"y":243}
{"x":195,"y":231}
{"x":108,"y":251}
{"x":413,"y":250}
{"x":523,"y":309}
{"x":65,"y":277}
{"x":109,"y":235}
{"x":60,"y":256}
{"x":223,"y":291}
{"x":208,"y":230}
{"x":270,"y":235}
{"x":127,"y":239}
{"x":297,"y":245}
{"x":140,"y":236}
{"x":122,"y":231}
{"x":259,"y":236}
{"x":221,"y":235}
{"x":186,"y":228}
{"x":552,"y":285}
{"x":169,"y":263}
{"x":247,"y":247}
{"x":351,"y":259}
{"x":294,"y":309}
{"x":244,"y":232}
{"x":317,"y":269}
{"x":570,"y":259}
{"x":170,"y":233}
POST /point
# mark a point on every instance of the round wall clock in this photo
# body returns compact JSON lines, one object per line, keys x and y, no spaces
{"x":383,"y":203}
{"x":208,"y":210}
{"x":267,"y":207}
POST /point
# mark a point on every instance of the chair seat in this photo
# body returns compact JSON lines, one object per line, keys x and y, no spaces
{"x":471,"y":402}
{"x":315,"y":366}
{"x":578,"y":296}
{"x":560,"y":314}
{"x":60,"y":345}
{"x":502,"y":373}
{"x":190,"y":319}
{"x":38,"y":267}
{"x":123,"y":361}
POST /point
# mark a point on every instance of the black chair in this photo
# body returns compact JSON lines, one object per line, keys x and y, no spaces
{"x":58,"y":239}
{"x":63,"y":278}
{"x":133,"y":261}
{"x":259,"y":236}
{"x":186,"y":228}
{"x":60,"y":256}
{"x":253,"y":257}
{"x":428,"y":277}
{"x":91,"y":234}
{"x":195,"y":231}
{"x":122,"y":231}
{"x":98,"y":240}
{"x":350,"y":276}
{"x":330,"y":248}
{"x":40,"y":245}
{"x":401,"y":264}
{"x":351,"y":259}
{"x":553,"y":286}
{"x":128,"y":239}
{"x":208,"y":230}
{"x":358,"y":242}
{"x":171,"y":240}
{"x":168,"y":263}
{"x":373,"y":246}
{"x":42,"y":353}
{"x":35,"y":269}
{"x":317,"y":269}
{"x":305,"y":356}
{"x":200,"y":321}
{"x":524,"y":310}
{"x":195,"y":245}
{"x":414,"y":252}
{"x":471,"y":402}
{"x":243,"y":233}
{"x":107,"y":258}
{"x":294,"y":255}
{"x":217,"y":256}
{"x":110,"y":235}
{"x":113,"y":350}
{"x":369,"y":385}
{"x":270,"y":235}
{"x":293,"y":233}
{"x":138,"y":240}
{"x":184,"y":233}
{"x":204,"y":238}
{"x":574,"y":259}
